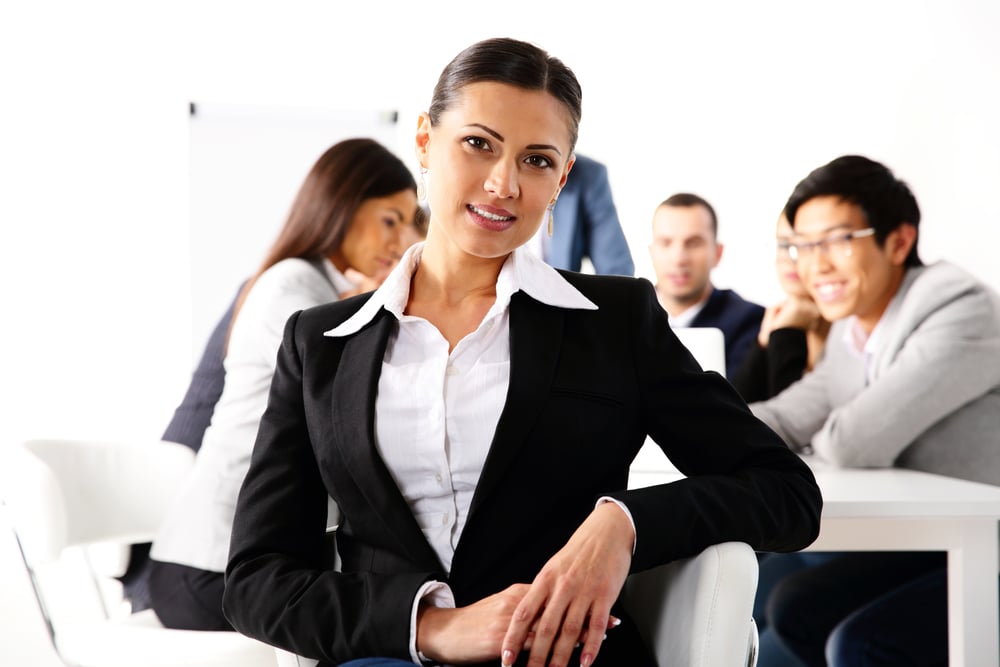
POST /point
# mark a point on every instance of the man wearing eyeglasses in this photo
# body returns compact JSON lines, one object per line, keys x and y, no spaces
{"x":911,"y":378}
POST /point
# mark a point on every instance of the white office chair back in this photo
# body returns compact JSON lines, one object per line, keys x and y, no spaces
{"x":65,"y":493}
{"x":698,"y":612}
{"x":66,"y":498}
{"x":707,"y":345}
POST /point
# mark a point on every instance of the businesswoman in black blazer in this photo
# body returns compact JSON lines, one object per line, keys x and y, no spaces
{"x":474,"y":420}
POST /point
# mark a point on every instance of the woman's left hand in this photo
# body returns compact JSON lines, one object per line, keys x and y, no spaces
{"x":572,"y":595}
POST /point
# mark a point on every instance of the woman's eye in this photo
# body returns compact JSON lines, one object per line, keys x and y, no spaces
{"x":389,"y":222}
{"x":478,"y":143}
{"x":539,"y":161}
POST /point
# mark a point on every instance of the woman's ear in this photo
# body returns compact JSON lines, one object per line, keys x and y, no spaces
{"x":569,"y":166}
{"x":423,"y":139}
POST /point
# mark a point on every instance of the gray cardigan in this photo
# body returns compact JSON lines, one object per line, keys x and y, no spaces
{"x":933,"y":402}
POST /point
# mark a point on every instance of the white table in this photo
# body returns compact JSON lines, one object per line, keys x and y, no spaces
{"x":904,"y":510}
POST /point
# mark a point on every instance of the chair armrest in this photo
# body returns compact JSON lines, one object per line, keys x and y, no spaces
{"x":286,"y":659}
{"x":698,"y":612}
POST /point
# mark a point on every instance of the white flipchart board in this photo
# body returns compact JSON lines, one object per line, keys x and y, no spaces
{"x":247,"y":164}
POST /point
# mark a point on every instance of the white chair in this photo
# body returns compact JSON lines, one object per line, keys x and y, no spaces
{"x":67,"y":499}
{"x":696,"y":612}
{"x":707,"y":345}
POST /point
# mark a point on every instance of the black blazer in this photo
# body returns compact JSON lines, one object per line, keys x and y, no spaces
{"x":585,"y":389}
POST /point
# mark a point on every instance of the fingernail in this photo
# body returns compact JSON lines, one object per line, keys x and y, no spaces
{"x":615,"y":622}
{"x":586,"y":659}
{"x":507,"y":659}
{"x":604,"y":637}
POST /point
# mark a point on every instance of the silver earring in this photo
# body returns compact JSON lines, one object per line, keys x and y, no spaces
{"x":421,"y":185}
{"x":549,"y":209}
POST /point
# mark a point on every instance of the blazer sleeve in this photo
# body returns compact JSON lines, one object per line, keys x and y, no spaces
{"x":742,"y":483}
{"x":280,"y":585}
{"x":954,"y":349}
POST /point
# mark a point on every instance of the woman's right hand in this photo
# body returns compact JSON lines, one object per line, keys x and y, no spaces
{"x":468,"y":634}
{"x":793,"y":313}
{"x":474,"y":633}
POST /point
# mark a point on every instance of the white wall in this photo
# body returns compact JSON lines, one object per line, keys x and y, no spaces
{"x":736,"y":101}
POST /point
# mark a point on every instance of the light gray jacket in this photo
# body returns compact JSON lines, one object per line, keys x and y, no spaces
{"x":933,"y":402}
{"x":198,"y":524}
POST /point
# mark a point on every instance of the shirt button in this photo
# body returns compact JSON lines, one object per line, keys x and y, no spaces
{"x":444,"y":520}
{"x":451,"y":370}
{"x":438,"y":478}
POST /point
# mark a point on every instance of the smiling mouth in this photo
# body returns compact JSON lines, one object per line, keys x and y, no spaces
{"x":829,"y":291}
{"x":490,"y":216}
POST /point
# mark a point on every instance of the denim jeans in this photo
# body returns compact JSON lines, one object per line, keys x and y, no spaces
{"x":807,"y":606}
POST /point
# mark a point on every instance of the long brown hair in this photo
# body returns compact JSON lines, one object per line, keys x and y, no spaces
{"x":347,"y":174}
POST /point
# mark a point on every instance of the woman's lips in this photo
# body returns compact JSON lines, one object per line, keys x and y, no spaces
{"x":491,"y":218}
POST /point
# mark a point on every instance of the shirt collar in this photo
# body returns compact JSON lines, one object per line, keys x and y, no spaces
{"x":685,"y":318}
{"x":864,"y":343}
{"x":521,"y":272}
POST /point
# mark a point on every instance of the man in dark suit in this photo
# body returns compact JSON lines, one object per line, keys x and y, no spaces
{"x":684,"y":251}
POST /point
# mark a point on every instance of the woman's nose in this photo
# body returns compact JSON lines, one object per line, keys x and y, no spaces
{"x":502,"y":180}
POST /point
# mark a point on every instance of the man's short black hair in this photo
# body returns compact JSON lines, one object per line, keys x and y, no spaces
{"x":886,"y":201}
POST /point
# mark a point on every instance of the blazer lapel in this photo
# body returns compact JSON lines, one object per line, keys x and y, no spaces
{"x":354,"y":389}
{"x":536,"y":332}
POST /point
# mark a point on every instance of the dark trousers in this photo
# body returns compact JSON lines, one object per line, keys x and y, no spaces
{"x":186,"y":598}
{"x":807,"y":606}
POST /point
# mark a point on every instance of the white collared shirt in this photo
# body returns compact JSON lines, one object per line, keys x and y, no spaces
{"x":685,"y":318}
{"x":437,"y":411}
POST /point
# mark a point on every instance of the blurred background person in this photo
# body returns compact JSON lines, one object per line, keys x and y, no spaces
{"x":792,"y":333}
{"x":585,"y":225}
{"x":684,"y":250}
{"x":348,"y":226}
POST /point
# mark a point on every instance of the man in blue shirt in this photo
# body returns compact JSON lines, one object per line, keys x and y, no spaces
{"x":585,"y":224}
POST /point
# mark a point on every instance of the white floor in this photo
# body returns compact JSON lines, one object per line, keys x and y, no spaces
{"x":23,"y":639}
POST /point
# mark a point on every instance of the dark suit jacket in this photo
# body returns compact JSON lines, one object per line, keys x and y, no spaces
{"x":739,"y":320}
{"x":585,"y":389}
{"x":585,"y":224}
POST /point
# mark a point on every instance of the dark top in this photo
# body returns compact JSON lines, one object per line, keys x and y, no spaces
{"x":194,"y":414}
{"x":739,"y":320}
{"x":768,"y":371}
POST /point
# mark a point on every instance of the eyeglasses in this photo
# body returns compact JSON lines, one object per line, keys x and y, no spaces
{"x":835,"y":245}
